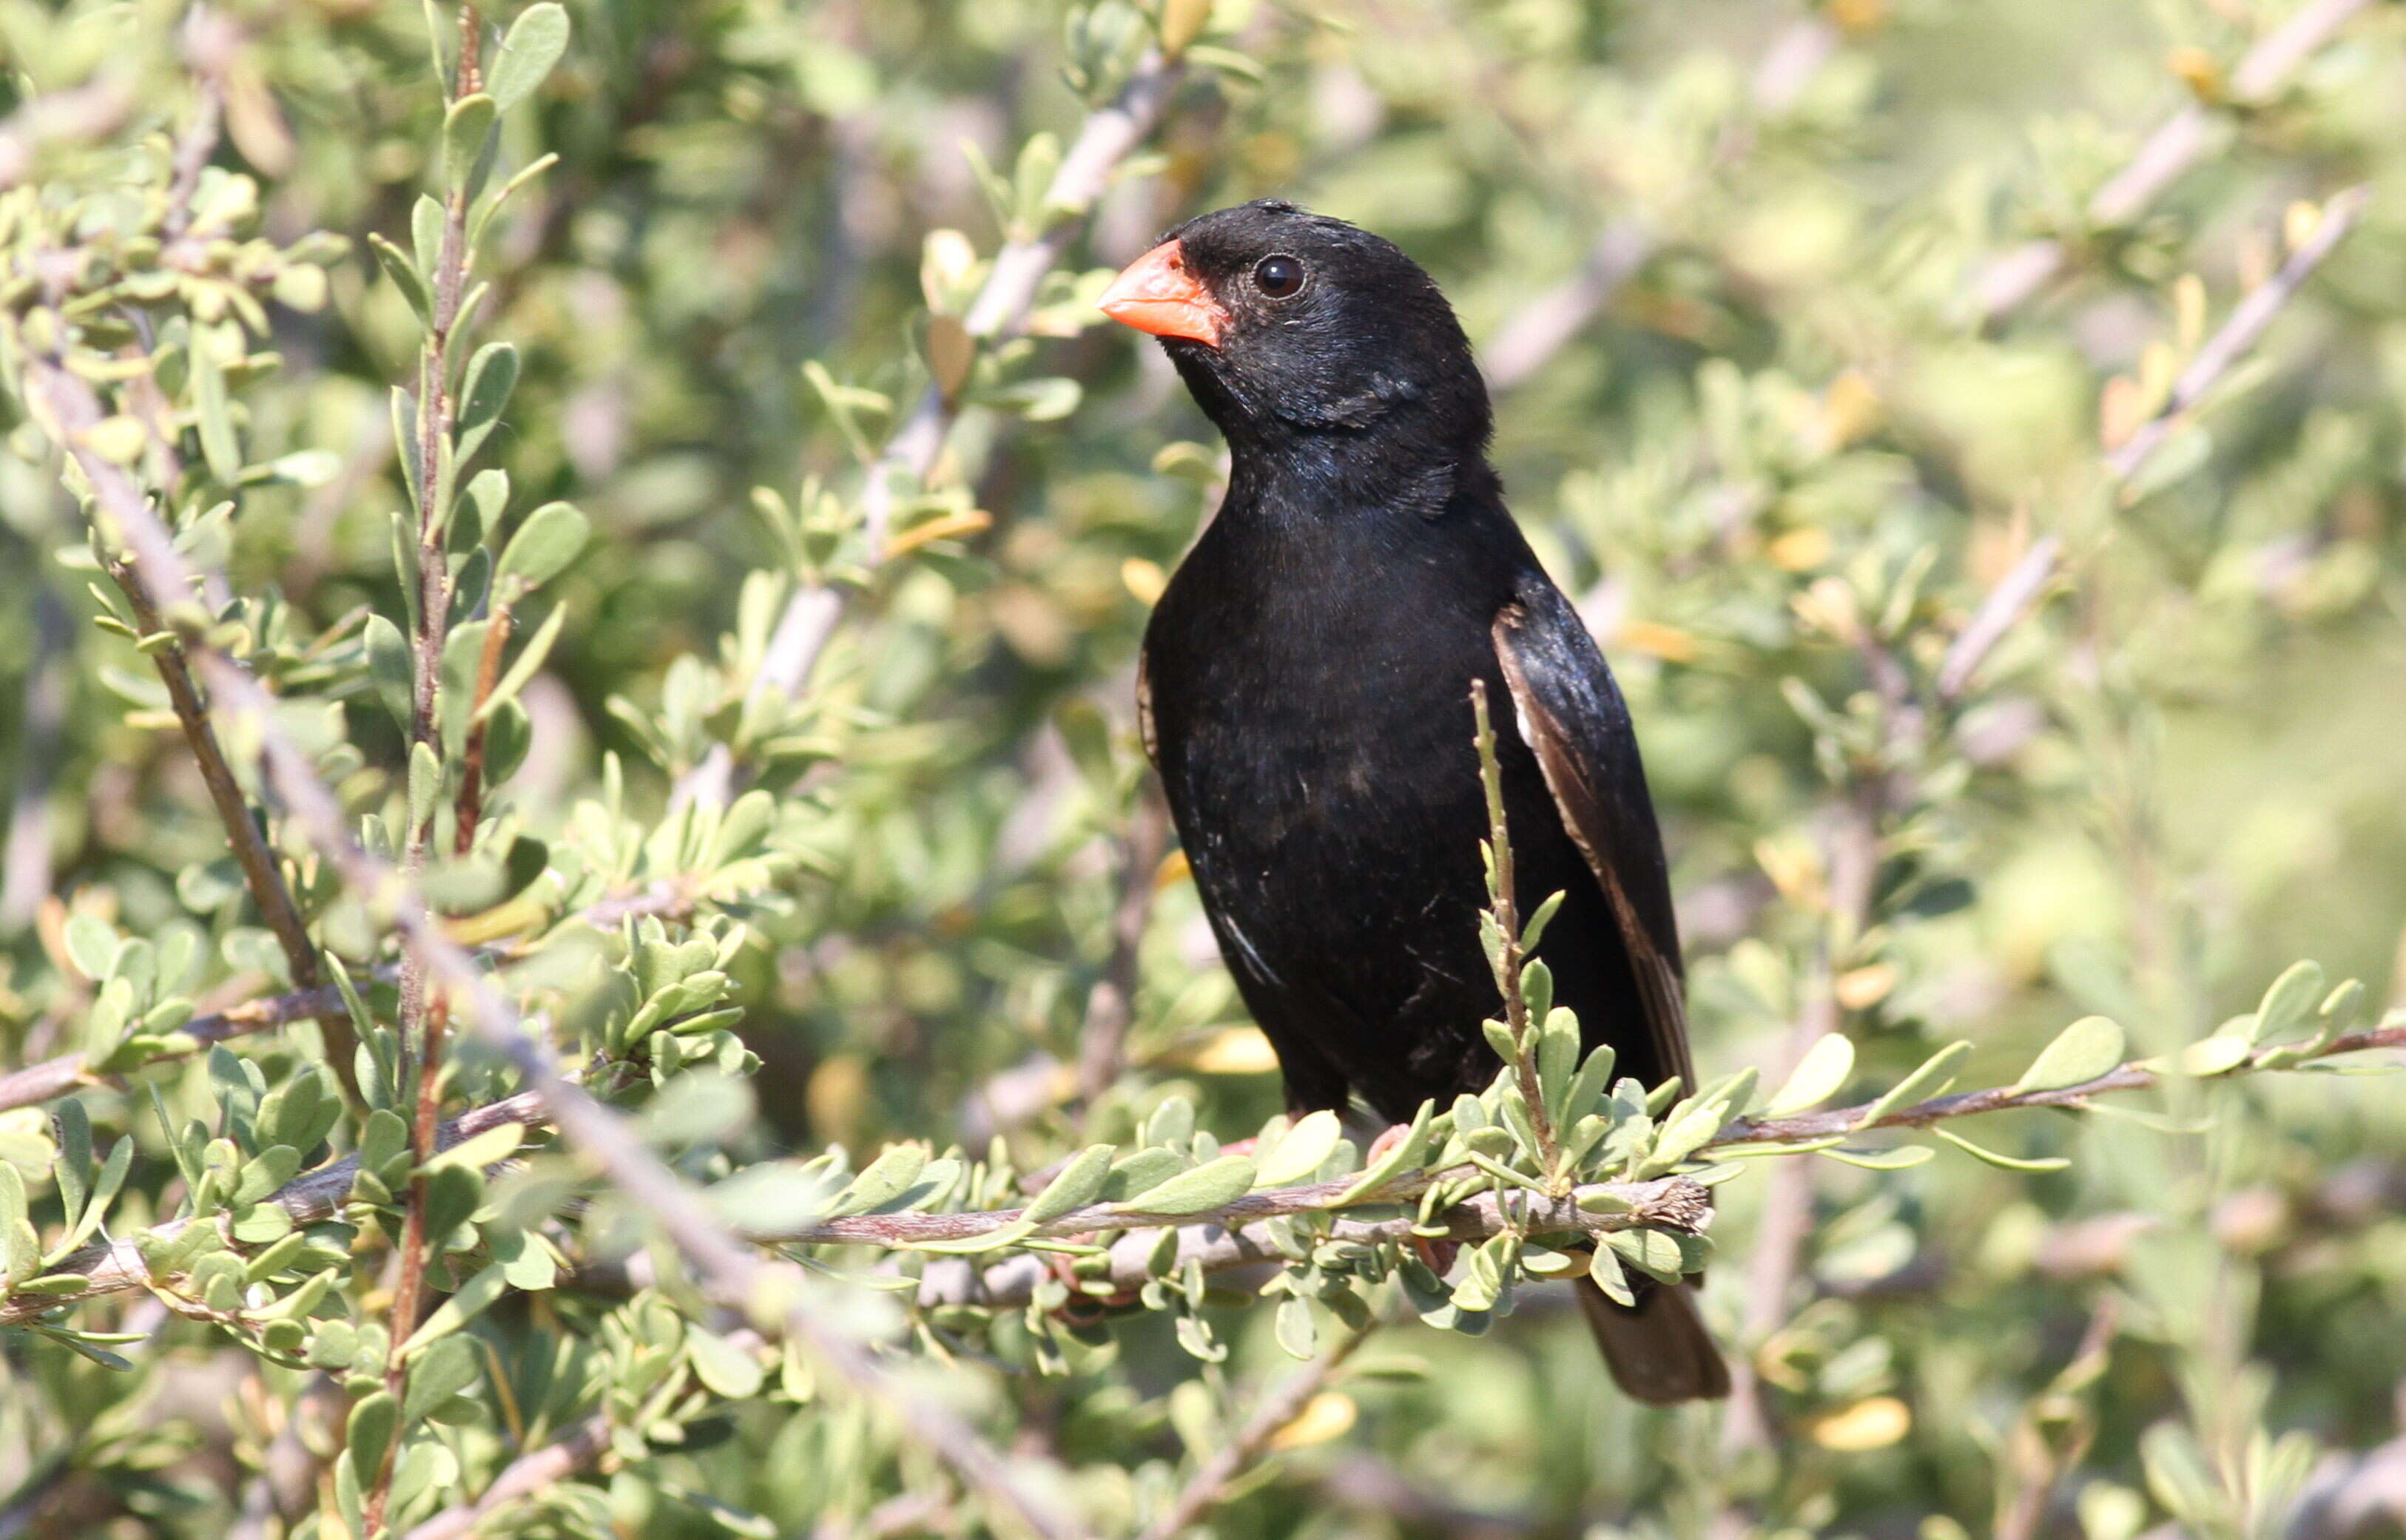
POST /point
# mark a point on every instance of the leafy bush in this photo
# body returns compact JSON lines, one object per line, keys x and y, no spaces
{"x":591,"y":951}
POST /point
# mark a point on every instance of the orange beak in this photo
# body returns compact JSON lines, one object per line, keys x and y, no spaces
{"x":1158,"y":294}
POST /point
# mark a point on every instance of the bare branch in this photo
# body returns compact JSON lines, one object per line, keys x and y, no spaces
{"x":1103,"y":1039}
{"x":1541,"y":328}
{"x":526,"y":1476}
{"x":1997,"y":616}
{"x":1210,"y":1485}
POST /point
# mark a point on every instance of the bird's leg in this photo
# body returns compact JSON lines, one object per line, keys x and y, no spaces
{"x":1439,"y":1254}
{"x":1387,"y":1140}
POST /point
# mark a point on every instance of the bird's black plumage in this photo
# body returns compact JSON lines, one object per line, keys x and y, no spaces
{"x":1306,"y":681}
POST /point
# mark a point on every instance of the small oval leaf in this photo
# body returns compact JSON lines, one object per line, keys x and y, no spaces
{"x":2090,"y":1047}
{"x":1301,"y":1153}
{"x":544,"y":546}
{"x":1817,"y":1076}
{"x":1212,"y":1185}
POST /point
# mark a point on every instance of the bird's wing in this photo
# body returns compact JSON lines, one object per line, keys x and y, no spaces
{"x":1571,"y":715}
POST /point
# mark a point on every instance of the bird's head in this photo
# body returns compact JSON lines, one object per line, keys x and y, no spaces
{"x":1291,"y":327}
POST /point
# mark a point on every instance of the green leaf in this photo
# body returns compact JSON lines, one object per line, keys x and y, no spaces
{"x":985,"y":1241}
{"x":389,"y":669}
{"x":373,"y":1423}
{"x":727,"y":1368}
{"x":2216,"y":1056}
{"x":452,"y":1194}
{"x":477,"y":1153}
{"x":886,"y":1178}
{"x":1080,"y":1183}
{"x":264,"y":1173}
{"x":21,"y":1249}
{"x":1936,"y":1073}
{"x":1302,"y":1150}
{"x":2090,"y":1047}
{"x":218,"y":445}
{"x":91,"y":946}
{"x":405,"y":277}
{"x":532,"y":47}
{"x":437,"y":1374}
{"x":1405,"y":1153}
{"x":2009,"y":1163}
{"x":1214,"y":1184}
{"x":484,"y":391}
{"x":425,"y":783}
{"x":1817,"y":1078}
{"x":1897,"y":1158}
{"x":467,"y":132}
{"x":426,"y":223}
{"x":1141,"y":1170}
{"x":461,"y":1309}
{"x":546,"y":543}
{"x":2289,"y":1002}
{"x":1295,"y":1328}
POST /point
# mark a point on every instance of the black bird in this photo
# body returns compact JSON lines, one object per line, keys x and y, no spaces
{"x":1305,"y":687}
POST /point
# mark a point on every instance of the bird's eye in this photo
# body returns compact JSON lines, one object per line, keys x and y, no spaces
{"x":1280,"y":277}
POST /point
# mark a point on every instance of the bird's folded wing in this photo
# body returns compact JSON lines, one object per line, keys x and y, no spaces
{"x":1571,"y":715}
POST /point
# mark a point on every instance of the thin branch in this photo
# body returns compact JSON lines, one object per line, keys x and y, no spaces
{"x":55,"y":1076}
{"x":1787,"y":1219}
{"x":2008,"y":281}
{"x":68,"y":410}
{"x":2138,"y":1075}
{"x":1109,"y":135}
{"x":88,"y":112}
{"x":1527,"y":341}
{"x":1210,"y":1485}
{"x":2239,"y":334}
{"x":261,"y":872}
{"x":1102,"y":1041}
{"x":539,"y":1469}
{"x":468,"y":810}
{"x":1228,"y":1238}
{"x":25,"y":868}
{"x":424,"y":1016}
{"x":1997,"y":616}
{"x":529,"y":1475}
{"x":115,"y":1266}
{"x":1509,"y":957}
{"x":39,"y":1083}
{"x":1674,"y":1203}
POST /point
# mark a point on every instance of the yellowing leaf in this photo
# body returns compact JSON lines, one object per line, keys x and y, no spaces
{"x":1144,"y":579}
{"x":1325,"y":1416}
{"x":1871,"y":1424}
{"x":1236,"y":1050}
{"x":1865,"y":987}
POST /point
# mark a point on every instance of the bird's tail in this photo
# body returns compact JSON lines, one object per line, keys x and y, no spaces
{"x":1658,"y":1349}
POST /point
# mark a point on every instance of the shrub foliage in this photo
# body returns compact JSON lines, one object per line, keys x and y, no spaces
{"x":590,"y":951}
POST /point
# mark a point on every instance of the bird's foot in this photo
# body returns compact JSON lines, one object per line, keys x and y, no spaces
{"x":1387,"y":1140}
